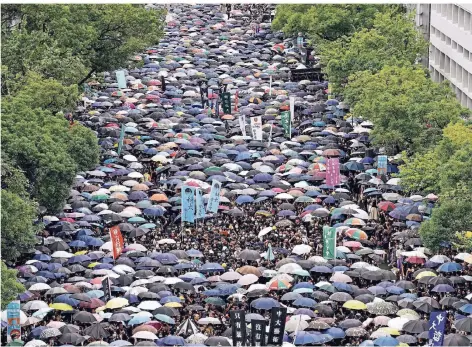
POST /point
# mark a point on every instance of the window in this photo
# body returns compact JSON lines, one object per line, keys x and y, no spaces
{"x":466,"y":54}
{"x":455,"y":14}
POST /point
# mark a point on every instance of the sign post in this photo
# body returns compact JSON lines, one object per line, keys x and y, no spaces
{"x":13,"y":321}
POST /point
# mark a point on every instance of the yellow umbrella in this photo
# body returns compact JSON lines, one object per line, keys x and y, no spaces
{"x":407,"y":311}
{"x":61,"y":307}
{"x":173,"y":305}
{"x":390,"y":331}
{"x":80,"y":252}
{"x":117,"y":303}
{"x":403,"y":344}
{"x":355,"y":305}
{"x":101,"y":308}
{"x":424,"y":274}
{"x":93,"y":264}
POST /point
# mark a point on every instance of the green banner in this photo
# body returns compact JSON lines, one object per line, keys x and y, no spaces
{"x":122,"y":137}
{"x":329,"y":242}
{"x":286,"y":122}
{"x":226,"y":102}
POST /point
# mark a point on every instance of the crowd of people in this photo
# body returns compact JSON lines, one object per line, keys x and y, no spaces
{"x":175,"y":283}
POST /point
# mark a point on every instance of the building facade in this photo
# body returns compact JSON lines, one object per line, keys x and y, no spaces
{"x":448,"y":28}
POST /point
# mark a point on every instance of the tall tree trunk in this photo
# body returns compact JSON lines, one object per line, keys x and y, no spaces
{"x":86,"y":77}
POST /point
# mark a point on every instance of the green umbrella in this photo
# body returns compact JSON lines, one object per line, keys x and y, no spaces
{"x":215,"y":301}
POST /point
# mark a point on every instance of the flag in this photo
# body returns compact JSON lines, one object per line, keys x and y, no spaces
{"x":200,"y":206}
{"x":116,"y":241}
{"x":106,"y":286}
{"x":236,"y":101}
{"x":270,"y":253}
{"x":122,"y":137}
{"x":437,"y":325}
{"x":13,"y":321}
{"x":329,"y":242}
{"x":242,"y":123}
{"x":286,"y":123}
{"x":256,"y":128}
{"x":121,"y":79}
{"x":332,"y":172}
{"x":226,"y":103}
{"x":292,"y":108}
{"x":214,"y":200}
{"x":188,"y":204}
{"x":382,"y":162}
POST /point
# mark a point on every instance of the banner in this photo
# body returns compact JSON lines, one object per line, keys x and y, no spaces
{"x":437,"y":325}
{"x":106,"y":286}
{"x":163,"y":84}
{"x":238,"y":325}
{"x":236,"y":101}
{"x":258,"y":332}
{"x":292,"y":108}
{"x":214,"y":200}
{"x":242,"y":123}
{"x":286,"y":123}
{"x":121,"y":79}
{"x":256,"y":128}
{"x":122,"y":137}
{"x":382,"y":162}
{"x":226,"y":103}
{"x":270,"y":134}
{"x":277,"y":326}
{"x":13,"y":321}
{"x":270,"y":85}
{"x":188,"y":204}
{"x":217,"y":108}
{"x":332,"y":172}
{"x":329,"y":242}
{"x":200,"y":206}
{"x":116,"y":241}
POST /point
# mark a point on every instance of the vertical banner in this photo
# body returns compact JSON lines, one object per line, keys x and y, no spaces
{"x":286,"y":122}
{"x":258,"y":332}
{"x":292,"y":108}
{"x":270,"y":134}
{"x":226,"y":103}
{"x":270,"y":253}
{"x":116,"y":241}
{"x":13,"y":321}
{"x":122,"y":137}
{"x":236,"y":101}
{"x":382,"y":162}
{"x":106,"y":286}
{"x":217,"y":108}
{"x":277,"y":326}
{"x":270,"y":86}
{"x":188,"y":204}
{"x":214,"y":200}
{"x":238,"y":327}
{"x":256,"y":128}
{"x":200,"y":206}
{"x":300,"y":42}
{"x":163,"y":83}
{"x":329,"y":242}
{"x":242,"y":123}
{"x":437,"y":325}
{"x":332,"y":172}
{"x":121,"y":79}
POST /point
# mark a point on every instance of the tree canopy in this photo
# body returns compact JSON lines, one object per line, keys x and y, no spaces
{"x":392,"y":40}
{"x":10,"y":286}
{"x":71,"y":42}
{"x":407,"y":107}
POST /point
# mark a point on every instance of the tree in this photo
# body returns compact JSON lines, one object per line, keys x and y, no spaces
{"x":393,"y":40}
{"x":44,"y":145}
{"x":326,"y":21}
{"x":408,"y":109}
{"x":72,"y":42}
{"x":451,"y":217}
{"x":10,"y":286}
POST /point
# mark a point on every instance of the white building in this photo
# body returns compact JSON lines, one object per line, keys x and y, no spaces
{"x":448,"y":27}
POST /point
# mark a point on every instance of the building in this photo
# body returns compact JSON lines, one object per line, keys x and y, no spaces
{"x":448,"y":27}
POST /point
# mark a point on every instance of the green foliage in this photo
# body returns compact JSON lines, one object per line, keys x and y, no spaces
{"x":393,"y":40}
{"x":44,"y":146}
{"x":451,"y":217}
{"x":325,"y":21}
{"x":71,"y":42}
{"x":408,"y":109}
{"x":10,"y":286}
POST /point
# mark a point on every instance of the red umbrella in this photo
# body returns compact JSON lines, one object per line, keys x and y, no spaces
{"x":387,"y":206}
{"x":415,"y":260}
{"x":93,"y":303}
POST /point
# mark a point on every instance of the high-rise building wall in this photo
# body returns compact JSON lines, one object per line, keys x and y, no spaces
{"x":449,"y":30}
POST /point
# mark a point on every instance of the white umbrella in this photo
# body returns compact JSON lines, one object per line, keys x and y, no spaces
{"x":248,"y":279}
{"x":23,"y":317}
{"x":265,"y":231}
{"x":149,"y":305}
{"x":318,"y":259}
{"x":296,"y":325}
{"x":398,"y":322}
{"x":209,"y":320}
{"x":137,"y":247}
{"x":440,"y":259}
{"x":172,"y":280}
{"x":166,"y":241}
{"x":196,"y":339}
{"x":301,"y":249}
{"x":130,"y":157}
{"x":135,"y":175}
{"x":62,"y":254}
{"x":35,"y":305}
{"x":257,"y":286}
{"x":290,"y":268}
{"x":36,"y":343}
{"x":231,"y":276}
{"x":39,"y":287}
{"x":339,"y":277}
{"x":284,"y":196}
{"x":145,"y":335}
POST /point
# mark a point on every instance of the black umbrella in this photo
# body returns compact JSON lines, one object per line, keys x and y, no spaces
{"x":59,"y":246}
{"x":456,"y":340}
{"x":415,"y":326}
{"x":84,"y":317}
{"x":71,"y":339}
{"x":217,"y":341}
{"x":97,"y":331}
{"x":168,"y":311}
{"x":464,"y":324}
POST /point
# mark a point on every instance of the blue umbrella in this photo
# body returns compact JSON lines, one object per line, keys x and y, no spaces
{"x":66,"y":299}
{"x":387,"y":341}
{"x":443,"y":288}
{"x":335,"y":332}
{"x":138,"y":320}
{"x":305,"y":302}
{"x":265,"y":303}
{"x":194,"y":253}
{"x":172,"y":340}
{"x":208,"y":267}
{"x":395,"y":290}
{"x":467,"y":308}
{"x":450,"y":267}
{"x":244,"y":199}
{"x":154,"y":211}
{"x":42,"y":257}
{"x":303,"y":285}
